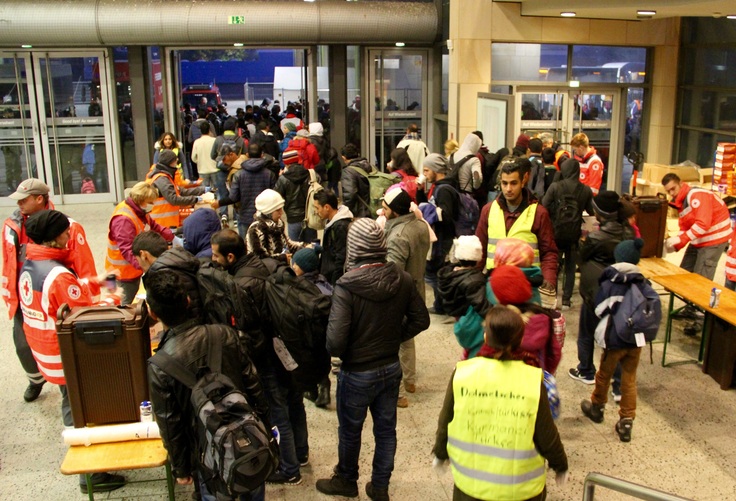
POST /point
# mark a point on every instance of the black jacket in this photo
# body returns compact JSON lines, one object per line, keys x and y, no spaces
{"x":596,"y":253}
{"x":293,"y":186}
{"x":459,"y":289}
{"x":174,"y":413}
{"x":183,"y":263}
{"x":374,"y":309}
{"x":568,"y":184}
{"x":268,"y":143}
{"x":446,"y":199}
{"x":247,"y":183}
{"x":334,"y":245}
{"x":356,"y":190}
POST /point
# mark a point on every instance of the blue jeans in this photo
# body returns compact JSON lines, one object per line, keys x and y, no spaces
{"x":586,"y":346}
{"x":377,"y":390}
{"x":430,"y":278}
{"x":297,"y":234}
{"x":257,"y":495}
{"x":287,"y":413}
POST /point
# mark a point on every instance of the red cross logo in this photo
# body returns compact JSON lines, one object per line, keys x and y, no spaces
{"x":25,"y":286}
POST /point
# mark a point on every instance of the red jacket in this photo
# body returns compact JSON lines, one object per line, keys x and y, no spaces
{"x":591,"y":170}
{"x":45,"y":283}
{"x":14,"y":241}
{"x":541,"y":227}
{"x":704,"y":218}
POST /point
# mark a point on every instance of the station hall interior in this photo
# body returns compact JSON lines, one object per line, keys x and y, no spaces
{"x":87,"y":87}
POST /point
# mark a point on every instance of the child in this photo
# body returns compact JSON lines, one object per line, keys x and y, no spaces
{"x":618,"y":347}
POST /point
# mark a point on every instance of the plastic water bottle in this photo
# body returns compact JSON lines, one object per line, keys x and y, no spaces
{"x":146,"y":412}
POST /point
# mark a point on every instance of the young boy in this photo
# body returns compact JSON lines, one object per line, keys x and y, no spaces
{"x":620,"y":345}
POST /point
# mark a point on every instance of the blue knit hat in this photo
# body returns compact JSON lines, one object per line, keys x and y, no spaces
{"x":307,"y":259}
{"x":628,"y":251}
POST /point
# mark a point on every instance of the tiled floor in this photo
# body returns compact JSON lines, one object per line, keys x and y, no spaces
{"x":684,"y":438}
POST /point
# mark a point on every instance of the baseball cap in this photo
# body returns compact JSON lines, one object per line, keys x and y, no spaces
{"x":29,"y":187}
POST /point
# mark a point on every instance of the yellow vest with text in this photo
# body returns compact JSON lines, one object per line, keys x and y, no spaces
{"x":164,"y":213}
{"x":114,"y":260}
{"x":491,"y":436}
{"x":521,"y":229}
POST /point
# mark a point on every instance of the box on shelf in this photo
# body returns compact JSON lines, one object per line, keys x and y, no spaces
{"x":655,"y":172}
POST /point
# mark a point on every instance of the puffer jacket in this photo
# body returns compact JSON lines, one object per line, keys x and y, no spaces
{"x":293,"y":186}
{"x":356,"y":190}
{"x":375,"y":307}
{"x":596,"y":253}
{"x":334,"y":245}
{"x":462,"y":288}
{"x":247,"y":183}
{"x":183,"y":263}
{"x":175,"y":416}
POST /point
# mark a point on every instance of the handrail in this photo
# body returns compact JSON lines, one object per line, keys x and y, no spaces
{"x":625,"y":487}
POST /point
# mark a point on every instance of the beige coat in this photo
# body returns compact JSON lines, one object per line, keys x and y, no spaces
{"x":408,"y":245}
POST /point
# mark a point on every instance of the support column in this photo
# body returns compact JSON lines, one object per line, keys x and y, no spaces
{"x":663,"y":101}
{"x":139,"y":99}
{"x":338,"y":63}
{"x":312,"y":61}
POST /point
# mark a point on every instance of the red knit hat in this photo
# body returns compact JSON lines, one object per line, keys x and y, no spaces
{"x":510,"y":286}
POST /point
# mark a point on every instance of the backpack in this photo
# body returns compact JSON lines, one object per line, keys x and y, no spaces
{"x":232,"y":142}
{"x":234,"y":447}
{"x":455,"y":167}
{"x":311,"y":217}
{"x":299,"y":314}
{"x":379,"y":182}
{"x":567,"y":219}
{"x":640,"y":311}
{"x":225,"y":302}
{"x":468,"y":213}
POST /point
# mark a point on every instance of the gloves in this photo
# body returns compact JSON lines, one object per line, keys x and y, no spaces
{"x":440,"y":465}
{"x":561,"y":478}
{"x":670,"y":243}
{"x":177,"y":242}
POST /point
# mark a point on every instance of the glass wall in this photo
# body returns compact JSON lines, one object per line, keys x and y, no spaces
{"x":354,"y":102}
{"x":707,"y":97}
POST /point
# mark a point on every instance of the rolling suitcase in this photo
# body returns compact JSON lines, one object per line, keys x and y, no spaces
{"x":651,"y":217}
{"x":104,"y":351}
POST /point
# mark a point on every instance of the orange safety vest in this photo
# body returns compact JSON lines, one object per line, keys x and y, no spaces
{"x":164,"y":213}
{"x":114,"y":260}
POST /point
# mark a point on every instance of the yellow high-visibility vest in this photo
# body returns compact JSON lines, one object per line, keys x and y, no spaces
{"x":491,"y":436}
{"x":114,"y":260}
{"x":521,"y":229}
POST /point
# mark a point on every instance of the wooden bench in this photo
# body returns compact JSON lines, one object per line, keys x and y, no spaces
{"x":718,"y":342}
{"x":658,"y":267}
{"x":116,"y":456}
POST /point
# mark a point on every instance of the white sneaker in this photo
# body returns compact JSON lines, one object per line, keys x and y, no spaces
{"x":616,"y":396}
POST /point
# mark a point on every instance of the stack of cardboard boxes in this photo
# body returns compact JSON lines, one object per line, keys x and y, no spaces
{"x":723,"y":171}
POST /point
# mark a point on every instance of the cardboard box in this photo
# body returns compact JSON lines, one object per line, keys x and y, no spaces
{"x":646,"y":188}
{"x":706,"y":176}
{"x":655,"y":172}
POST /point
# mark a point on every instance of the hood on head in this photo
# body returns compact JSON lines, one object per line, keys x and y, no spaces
{"x":296,"y":173}
{"x":570,"y":169}
{"x":471,"y":144}
{"x":254,"y":164}
{"x":199,"y":228}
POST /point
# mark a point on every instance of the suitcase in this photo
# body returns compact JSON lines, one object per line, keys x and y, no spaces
{"x":651,"y":218}
{"x":105,"y":351}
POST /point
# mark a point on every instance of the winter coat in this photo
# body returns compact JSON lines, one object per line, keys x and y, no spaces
{"x":307,"y":154}
{"x":591,"y":170}
{"x":184,"y":264}
{"x":293,"y":185}
{"x":408,"y":245}
{"x":198,"y":230}
{"x":447,"y":201}
{"x":267,"y":238}
{"x":334,"y":244}
{"x":356,"y":190}
{"x":375,"y":307}
{"x":462,"y":289}
{"x":247,"y":183}
{"x":704,"y":219}
{"x":465,"y":174}
{"x":569,"y":184}
{"x":415,"y":148}
{"x":268,"y":144}
{"x":175,"y":416}
{"x":240,"y":147}
{"x":165,"y":185}
{"x":596,"y":253}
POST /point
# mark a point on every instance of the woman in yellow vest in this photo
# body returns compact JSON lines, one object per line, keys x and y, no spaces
{"x":172,"y":198}
{"x":495,"y":426}
{"x":131,"y":217}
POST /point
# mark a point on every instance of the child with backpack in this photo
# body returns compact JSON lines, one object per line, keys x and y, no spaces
{"x":630,"y":312}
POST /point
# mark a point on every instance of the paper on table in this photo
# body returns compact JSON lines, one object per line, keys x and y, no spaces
{"x":111,"y":433}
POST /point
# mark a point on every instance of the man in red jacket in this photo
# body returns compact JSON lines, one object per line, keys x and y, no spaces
{"x":32,"y":196}
{"x":591,"y":165}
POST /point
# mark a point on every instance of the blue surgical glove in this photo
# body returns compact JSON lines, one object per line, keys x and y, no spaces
{"x":177,"y":242}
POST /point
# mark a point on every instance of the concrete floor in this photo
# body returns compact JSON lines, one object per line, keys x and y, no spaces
{"x":683,"y":438}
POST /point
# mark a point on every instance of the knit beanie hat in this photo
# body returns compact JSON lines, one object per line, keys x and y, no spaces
{"x":46,"y":225}
{"x":290,"y":126}
{"x":523,"y":141}
{"x":467,"y":248}
{"x":166,"y":157}
{"x":269,"y":201}
{"x":628,"y":251}
{"x":510,"y":286}
{"x":365,"y":240}
{"x":316,"y":129}
{"x":435,"y":162}
{"x":307,"y":259}
{"x":398,"y":201}
{"x":606,"y":203}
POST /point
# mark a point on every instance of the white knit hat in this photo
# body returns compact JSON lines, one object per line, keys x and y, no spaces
{"x":269,"y":201}
{"x":316,"y":129}
{"x":468,"y":248}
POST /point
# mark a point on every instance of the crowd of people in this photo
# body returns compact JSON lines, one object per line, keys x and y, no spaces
{"x":487,"y":232}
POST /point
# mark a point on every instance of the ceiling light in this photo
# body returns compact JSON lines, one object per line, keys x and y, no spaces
{"x":309,"y":0}
{"x":25,"y":46}
{"x":574,"y":83}
{"x":400,"y":44}
{"x":238,"y":44}
{"x":567,"y":14}
{"x":646,"y":12}
{"x":732,"y":16}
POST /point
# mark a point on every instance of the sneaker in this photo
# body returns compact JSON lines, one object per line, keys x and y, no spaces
{"x":623,"y":428}
{"x":304,"y":461}
{"x":575,"y":374}
{"x":33,"y":391}
{"x":402,"y":402}
{"x":224,"y":221}
{"x":566,"y":304}
{"x":616,"y":394}
{"x":337,"y":486}
{"x":593,"y":411}
{"x":688,"y":312}
{"x":693,"y":330}
{"x":323,"y":396}
{"x":376,"y":494}
{"x":103,"y":482}
{"x":279,"y":478}
{"x":410,"y":387}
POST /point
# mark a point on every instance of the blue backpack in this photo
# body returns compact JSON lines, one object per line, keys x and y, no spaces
{"x":468,"y":212}
{"x":640,"y":311}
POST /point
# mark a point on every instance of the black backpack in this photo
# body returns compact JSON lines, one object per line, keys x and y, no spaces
{"x":235,"y":449}
{"x":299,"y":314}
{"x":454,"y":168}
{"x":567,"y":219}
{"x":225,"y":302}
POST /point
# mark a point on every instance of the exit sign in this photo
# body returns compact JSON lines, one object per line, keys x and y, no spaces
{"x":236,"y":20}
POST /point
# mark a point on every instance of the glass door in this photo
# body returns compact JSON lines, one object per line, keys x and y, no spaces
{"x":18,"y":124}
{"x":398,"y":98}
{"x":72,"y":96}
{"x":544,"y":112}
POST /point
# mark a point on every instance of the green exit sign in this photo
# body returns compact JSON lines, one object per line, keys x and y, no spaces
{"x":236,"y":20}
